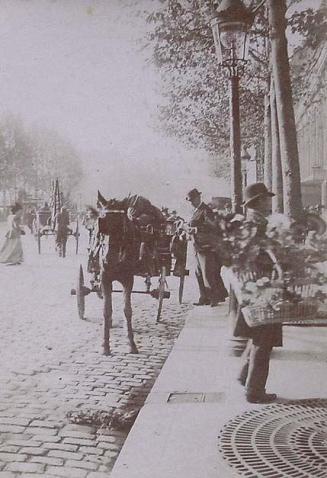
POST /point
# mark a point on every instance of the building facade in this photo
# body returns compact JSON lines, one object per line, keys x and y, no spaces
{"x":311,"y":123}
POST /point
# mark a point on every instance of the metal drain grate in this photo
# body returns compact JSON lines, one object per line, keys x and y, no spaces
{"x":278,"y":441}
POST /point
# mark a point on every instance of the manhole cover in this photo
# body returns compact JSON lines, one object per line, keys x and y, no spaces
{"x":278,"y":441}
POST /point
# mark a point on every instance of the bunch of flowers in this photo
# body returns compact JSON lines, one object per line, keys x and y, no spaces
{"x":285,"y":265}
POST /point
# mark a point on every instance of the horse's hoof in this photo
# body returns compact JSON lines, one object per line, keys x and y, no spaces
{"x":106,"y":352}
{"x":134,"y":350}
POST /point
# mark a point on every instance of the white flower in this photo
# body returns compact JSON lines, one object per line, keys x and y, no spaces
{"x":250,"y":287}
{"x":260,"y":283}
{"x":278,"y":221}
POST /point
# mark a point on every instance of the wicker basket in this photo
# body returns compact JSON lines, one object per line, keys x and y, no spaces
{"x":304,"y":310}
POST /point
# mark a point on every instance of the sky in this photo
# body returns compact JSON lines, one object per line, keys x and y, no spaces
{"x":76,"y":66}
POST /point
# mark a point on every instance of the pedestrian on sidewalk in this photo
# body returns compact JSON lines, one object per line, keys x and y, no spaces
{"x":11,"y":252}
{"x":204,"y":232}
{"x":256,"y":356}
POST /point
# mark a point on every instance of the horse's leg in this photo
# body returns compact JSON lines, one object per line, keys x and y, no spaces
{"x":106,"y":286}
{"x":127,"y":287}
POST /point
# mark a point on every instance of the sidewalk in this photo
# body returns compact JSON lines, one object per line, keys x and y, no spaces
{"x":175,"y":434}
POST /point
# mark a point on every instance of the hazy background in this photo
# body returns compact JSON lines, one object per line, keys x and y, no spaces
{"x":76,"y":66}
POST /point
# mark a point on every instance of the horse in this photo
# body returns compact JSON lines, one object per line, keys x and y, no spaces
{"x":117,"y":262}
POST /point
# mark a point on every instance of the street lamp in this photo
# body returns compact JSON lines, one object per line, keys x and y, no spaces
{"x":230,"y":28}
{"x":245,"y":158}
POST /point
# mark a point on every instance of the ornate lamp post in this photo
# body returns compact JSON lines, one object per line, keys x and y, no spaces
{"x":230,"y":28}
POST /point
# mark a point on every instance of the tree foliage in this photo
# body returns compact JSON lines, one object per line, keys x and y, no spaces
{"x":30,"y":160}
{"x":195,"y":89}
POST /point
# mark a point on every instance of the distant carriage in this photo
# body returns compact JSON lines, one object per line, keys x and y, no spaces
{"x":119,"y":252}
{"x":46,"y":223}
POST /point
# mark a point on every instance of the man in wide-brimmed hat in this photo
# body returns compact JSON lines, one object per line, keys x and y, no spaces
{"x":256,"y":357}
{"x":205,"y":238}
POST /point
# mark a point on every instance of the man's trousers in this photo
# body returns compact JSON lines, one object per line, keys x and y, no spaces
{"x":208,"y":275}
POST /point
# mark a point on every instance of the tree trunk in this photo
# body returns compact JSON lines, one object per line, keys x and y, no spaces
{"x":277,"y":175}
{"x":267,"y":178}
{"x":285,"y":111}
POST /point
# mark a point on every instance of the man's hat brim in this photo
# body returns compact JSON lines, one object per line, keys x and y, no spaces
{"x":257,"y":196}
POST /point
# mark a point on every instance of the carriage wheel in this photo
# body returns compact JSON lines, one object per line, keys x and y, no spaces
{"x":77,"y":236}
{"x":181,"y":288}
{"x":80,"y":296}
{"x":162,"y":285}
{"x":39,"y":241}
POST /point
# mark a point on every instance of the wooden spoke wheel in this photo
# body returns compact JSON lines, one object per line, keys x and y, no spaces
{"x":161,"y":290}
{"x":80,"y":294}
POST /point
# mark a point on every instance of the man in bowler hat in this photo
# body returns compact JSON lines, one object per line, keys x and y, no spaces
{"x":205,"y":237}
{"x":255,"y":359}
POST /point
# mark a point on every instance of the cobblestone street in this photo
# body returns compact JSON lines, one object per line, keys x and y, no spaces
{"x":58,"y":392}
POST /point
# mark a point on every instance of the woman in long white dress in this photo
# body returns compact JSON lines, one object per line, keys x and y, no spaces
{"x":11,"y":251}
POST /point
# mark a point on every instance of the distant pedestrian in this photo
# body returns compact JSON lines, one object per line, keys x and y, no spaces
{"x":11,"y":252}
{"x":44,"y":215}
{"x":62,"y":221}
{"x":30,"y":217}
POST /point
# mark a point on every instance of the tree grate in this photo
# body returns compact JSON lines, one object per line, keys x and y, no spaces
{"x":278,"y":441}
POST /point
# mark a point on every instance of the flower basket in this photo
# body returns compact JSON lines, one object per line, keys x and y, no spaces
{"x":284,"y":311}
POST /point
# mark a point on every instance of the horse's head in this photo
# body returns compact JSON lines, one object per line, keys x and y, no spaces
{"x":112,"y":217}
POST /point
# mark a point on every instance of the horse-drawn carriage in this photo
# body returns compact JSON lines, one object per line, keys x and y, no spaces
{"x":54,"y":220}
{"x":118,"y":251}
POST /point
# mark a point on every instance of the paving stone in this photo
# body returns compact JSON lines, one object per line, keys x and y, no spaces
{"x":66,"y":455}
{"x":11,"y":429}
{"x":107,"y":446}
{"x":99,"y":474}
{"x":43,"y":424}
{"x":14,"y":421}
{"x":47,"y":460}
{"x":41,"y":431}
{"x":99,"y":460}
{"x":7,"y":457}
{"x":20,"y":441}
{"x":90,"y":450}
{"x":107,"y":438}
{"x":47,"y":438}
{"x":34,"y":475}
{"x":79,"y":428}
{"x":26,"y":467}
{"x":31,"y":475}
{"x":34,"y":451}
{"x":72,"y":434}
{"x":110,"y":454}
{"x":67,"y":472}
{"x":60,"y":446}
{"x":9,"y":449}
{"x":85,"y":465}
{"x":80,"y":441}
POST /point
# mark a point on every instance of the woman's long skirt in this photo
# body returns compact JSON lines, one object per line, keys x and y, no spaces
{"x":11,"y":251}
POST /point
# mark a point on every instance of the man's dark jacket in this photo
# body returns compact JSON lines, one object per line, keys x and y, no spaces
{"x":240,"y":327}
